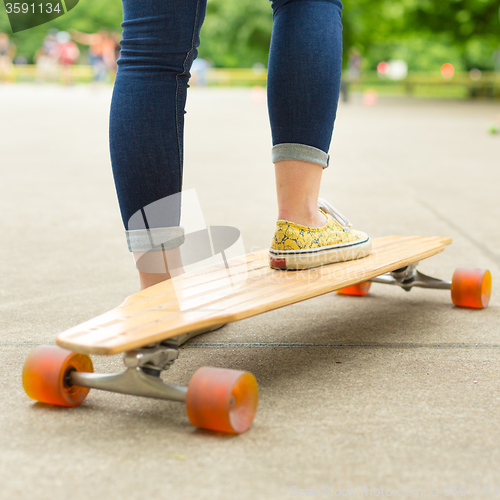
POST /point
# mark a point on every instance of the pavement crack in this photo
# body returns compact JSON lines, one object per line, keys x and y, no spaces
{"x":21,"y":344}
{"x":345,"y":345}
{"x":332,"y":345}
{"x":482,"y":248}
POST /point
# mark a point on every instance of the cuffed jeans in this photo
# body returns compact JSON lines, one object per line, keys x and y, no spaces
{"x":160,"y":40}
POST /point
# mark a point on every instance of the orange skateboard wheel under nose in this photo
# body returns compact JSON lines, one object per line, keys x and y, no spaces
{"x":360,"y":289}
{"x":471,"y":288}
{"x":222,"y":400}
{"x":45,"y":375}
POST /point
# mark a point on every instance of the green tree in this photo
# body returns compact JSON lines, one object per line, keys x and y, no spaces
{"x":88,"y":16}
{"x":236,"y":33}
{"x":426,"y":33}
{"x":471,"y":26}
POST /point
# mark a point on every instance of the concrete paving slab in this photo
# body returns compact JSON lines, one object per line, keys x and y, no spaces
{"x":395,"y":390}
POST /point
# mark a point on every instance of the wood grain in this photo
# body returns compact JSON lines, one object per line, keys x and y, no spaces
{"x":212,"y":296}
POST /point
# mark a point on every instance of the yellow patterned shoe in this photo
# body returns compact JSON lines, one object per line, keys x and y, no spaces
{"x":302,"y":247}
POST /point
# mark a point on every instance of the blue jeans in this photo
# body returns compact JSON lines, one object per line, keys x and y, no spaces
{"x":160,"y":40}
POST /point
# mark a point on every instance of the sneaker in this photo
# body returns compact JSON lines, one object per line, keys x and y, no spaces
{"x":302,"y":247}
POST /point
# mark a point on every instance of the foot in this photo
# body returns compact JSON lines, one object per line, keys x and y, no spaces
{"x":297,"y":246}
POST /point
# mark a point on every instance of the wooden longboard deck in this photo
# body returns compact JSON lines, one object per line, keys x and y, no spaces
{"x":215,"y":295}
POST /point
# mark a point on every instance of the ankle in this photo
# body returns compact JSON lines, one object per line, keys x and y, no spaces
{"x":157,"y":266}
{"x":304,"y":218}
{"x":151,"y":279}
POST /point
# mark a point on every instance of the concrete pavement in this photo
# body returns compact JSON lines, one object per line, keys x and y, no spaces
{"x":400,"y":392}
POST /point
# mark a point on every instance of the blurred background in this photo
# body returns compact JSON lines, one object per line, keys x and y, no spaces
{"x":446,"y":49}
{"x":415,"y":151}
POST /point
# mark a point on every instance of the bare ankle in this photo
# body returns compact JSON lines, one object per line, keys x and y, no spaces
{"x":304,"y":218}
{"x":151,"y":279}
{"x":297,"y":187}
{"x":157,"y":266}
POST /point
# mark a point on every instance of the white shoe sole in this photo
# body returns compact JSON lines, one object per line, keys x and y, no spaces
{"x":306,"y":259}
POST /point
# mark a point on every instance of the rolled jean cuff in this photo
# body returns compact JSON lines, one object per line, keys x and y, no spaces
{"x":291,"y":151}
{"x":160,"y":238}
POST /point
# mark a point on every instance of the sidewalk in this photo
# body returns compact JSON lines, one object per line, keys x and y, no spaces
{"x":397,"y":390}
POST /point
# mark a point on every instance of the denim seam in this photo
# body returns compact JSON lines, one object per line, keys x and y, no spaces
{"x":177,"y":104}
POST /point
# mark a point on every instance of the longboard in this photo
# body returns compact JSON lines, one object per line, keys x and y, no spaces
{"x":155,"y":314}
{"x":149,"y":326}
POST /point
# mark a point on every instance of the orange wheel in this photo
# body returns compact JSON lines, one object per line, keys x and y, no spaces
{"x":45,"y":375}
{"x":358,"y":289}
{"x":471,"y":288}
{"x":222,"y":400}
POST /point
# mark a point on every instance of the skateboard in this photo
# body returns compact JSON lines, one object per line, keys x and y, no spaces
{"x":149,"y":327}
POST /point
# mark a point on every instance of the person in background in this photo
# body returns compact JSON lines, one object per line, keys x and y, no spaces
{"x":46,"y":59}
{"x":101,"y":51}
{"x":199,"y":70}
{"x":67,"y":54}
{"x":7,"y":52}
{"x":116,"y":39}
{"x":353,"y":72}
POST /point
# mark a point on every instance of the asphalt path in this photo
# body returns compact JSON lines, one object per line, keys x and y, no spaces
{"x":396,"y":392}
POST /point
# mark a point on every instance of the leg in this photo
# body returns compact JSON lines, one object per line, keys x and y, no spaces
{"x":157,"y":266}
{"x":297,"y":187}
{"x":303,"y":88}
{"x":146,"y":125}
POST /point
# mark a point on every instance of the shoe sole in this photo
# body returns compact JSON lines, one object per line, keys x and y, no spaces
{"x":306,"y":259}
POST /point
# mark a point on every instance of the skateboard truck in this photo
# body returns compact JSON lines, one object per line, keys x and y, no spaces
{"x":217,"y":399}
{"x":407,"y":277}
{"x":152,"y":358}
{"x":469,"y":287}
{"x":142,"y":376}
